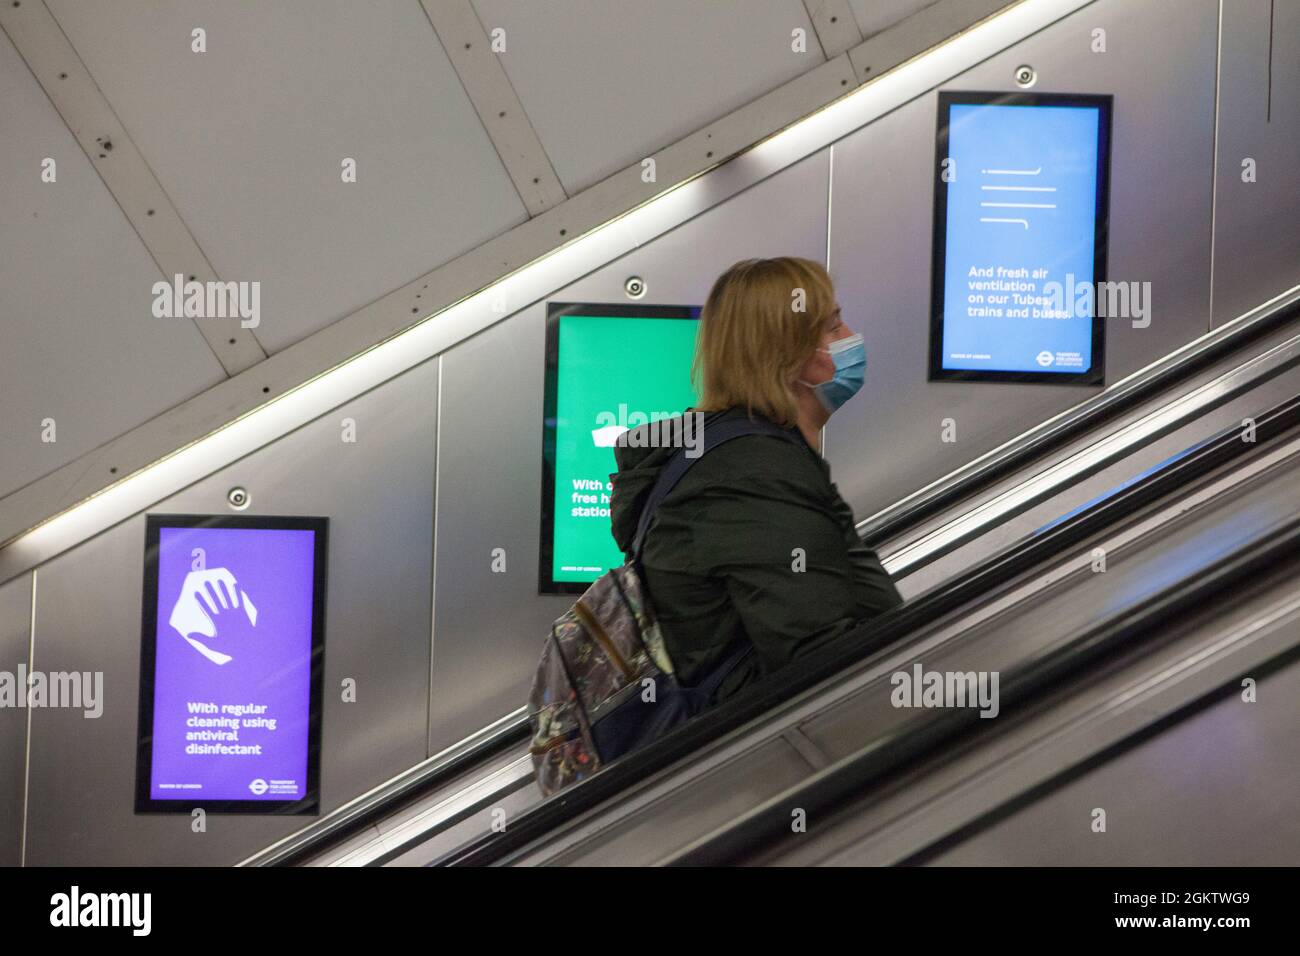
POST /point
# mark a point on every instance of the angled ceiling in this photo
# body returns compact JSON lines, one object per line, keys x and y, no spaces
{"x":606,"y":84}
{"x":873,"y":16}
{"x":249,"y":138}
{"x":243,"y":146}
{"x":77,"y":336}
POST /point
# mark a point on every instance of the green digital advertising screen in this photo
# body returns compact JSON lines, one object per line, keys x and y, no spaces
{"x":608,"y":368}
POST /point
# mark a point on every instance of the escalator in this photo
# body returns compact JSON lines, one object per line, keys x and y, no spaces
{"x":1199,"y":589}
{"x":957,"y":548}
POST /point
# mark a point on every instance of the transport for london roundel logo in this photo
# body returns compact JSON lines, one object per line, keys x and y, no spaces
{"x":258,"y":786}
{"x":1044,"y":358}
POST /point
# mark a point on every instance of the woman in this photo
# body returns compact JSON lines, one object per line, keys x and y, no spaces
{"x":754,"y":546}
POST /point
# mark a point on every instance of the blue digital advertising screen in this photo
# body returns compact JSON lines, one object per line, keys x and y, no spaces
{"x":231,"y":664}
{"x":609,"y":368}
{"x":1020,"y":219}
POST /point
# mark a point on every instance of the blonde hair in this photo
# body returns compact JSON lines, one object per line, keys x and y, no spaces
{"x":760,"y":324}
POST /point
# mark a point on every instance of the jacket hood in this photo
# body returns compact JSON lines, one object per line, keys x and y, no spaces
{"x":640,"y":455}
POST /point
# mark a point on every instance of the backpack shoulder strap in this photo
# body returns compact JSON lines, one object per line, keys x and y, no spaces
{"x":713,"y":435}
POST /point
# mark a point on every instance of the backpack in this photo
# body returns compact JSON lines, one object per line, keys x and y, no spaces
{"x":605,"y":685}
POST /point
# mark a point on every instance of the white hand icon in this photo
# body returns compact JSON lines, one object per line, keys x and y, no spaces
{"x":201,"y":592}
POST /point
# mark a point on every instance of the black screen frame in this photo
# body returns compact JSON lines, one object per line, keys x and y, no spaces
{"x":1104,"y":103}
{"x":309,"y":803}
{"x":551,"y":364}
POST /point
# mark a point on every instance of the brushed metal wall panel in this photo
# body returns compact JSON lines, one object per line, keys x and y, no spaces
{"x":1160,"y":67}
{"x":1217,"y":789}
{"x":488,"y":627}
{"x":15,"y":632}
{"x":378,"y":494}
{"x":1256,"y":242}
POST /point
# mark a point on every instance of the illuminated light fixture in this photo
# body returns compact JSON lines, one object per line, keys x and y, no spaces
{"x":531,"y":283}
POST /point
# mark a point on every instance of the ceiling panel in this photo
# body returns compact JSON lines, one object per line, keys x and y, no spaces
{"x":78,"y":339}
{"x":248,"y":139}
{"x":608,"y":82}
{"x":876,"y":15}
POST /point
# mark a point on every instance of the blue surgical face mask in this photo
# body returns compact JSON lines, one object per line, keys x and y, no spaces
{"x":850,"y":358}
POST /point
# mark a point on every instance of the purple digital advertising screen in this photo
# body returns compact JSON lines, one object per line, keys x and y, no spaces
{"x":231,"y":664}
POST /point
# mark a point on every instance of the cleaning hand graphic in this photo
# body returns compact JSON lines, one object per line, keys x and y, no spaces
{"x":205,"y":596}
{"x":607,"y":437}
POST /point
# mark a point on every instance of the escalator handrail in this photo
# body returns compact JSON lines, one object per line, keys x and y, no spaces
{"x":1055,"y":432}
{"x":1101,"y":451}
{"x":433,"y":773}
{"x":1021,"y":687}
{"x":806,"y":673}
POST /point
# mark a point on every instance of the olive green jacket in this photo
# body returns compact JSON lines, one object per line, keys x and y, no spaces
{"x":754,"y":543}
